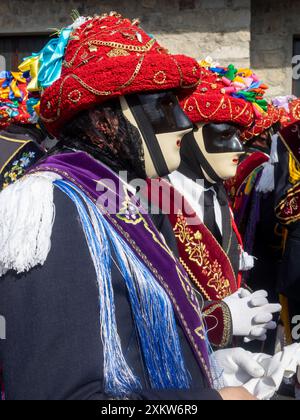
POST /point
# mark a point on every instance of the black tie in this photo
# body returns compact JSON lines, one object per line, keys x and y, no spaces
{"x":210,"y":216}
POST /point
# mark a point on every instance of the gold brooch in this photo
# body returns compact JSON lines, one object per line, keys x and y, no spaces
{"x":93,"y":48}
{"x":118,"y":52}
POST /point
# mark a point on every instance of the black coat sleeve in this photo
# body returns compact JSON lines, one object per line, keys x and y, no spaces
{"x":53,"y":349}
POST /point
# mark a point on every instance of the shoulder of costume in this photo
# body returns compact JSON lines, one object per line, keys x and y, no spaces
{"x":27,"y":215}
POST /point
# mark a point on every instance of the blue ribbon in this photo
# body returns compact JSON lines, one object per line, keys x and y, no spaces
{"x":218,"y":70}
{"x":31,"y":103}
{"x":51,"y":59}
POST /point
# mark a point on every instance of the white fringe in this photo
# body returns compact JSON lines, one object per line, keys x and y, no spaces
{"x":27,"y":215}
{"x":247,"y":262}
{"x":267,"y":180}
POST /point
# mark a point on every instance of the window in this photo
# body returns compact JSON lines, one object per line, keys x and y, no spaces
{"x":14,"y":48}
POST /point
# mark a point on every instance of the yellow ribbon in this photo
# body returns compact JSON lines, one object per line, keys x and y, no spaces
{"x":37,"y":108}
{"x":245,"y":72}
{"x":31,"y":65}
{"x":18,"y":76}
{"x":4,"y":93}
{"x":15,"y":89}
{"x":294,"y":169}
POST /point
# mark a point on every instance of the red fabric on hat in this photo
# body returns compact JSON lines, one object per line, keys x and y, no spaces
{"x":210,"y":103}
{"x":108,"y":57}
{"x":272,"y":117}
{"x":293,"y":116}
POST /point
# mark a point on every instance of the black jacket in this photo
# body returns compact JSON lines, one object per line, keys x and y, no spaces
{"x":53,"y":349}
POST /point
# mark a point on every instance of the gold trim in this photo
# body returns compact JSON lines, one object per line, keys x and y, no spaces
{"x":172,"y":57}
{"x":213,"y":269}
{"x":13,"y":140}
{"x":227,"y":324}
{"x":23,"y":144}
{"x":209,"y":117}
{"x":194,"y":279}
{"x":295,"y":191}
{"x":117,"y":45}
{"x":91,"y":89}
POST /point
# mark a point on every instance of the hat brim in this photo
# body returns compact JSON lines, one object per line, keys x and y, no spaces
{"x":98,"y":81}
{"x":217,"y":108}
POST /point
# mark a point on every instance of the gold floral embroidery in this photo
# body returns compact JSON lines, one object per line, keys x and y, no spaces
{"x":199,"y":254}
{"x":287,"y":210}
{"x":291,"y":206}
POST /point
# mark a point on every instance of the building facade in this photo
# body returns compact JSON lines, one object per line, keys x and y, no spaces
{"x":264,"y":35}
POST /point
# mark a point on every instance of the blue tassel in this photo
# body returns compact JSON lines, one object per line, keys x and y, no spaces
{"x":119,"y":379}
{"x":152,"y":310}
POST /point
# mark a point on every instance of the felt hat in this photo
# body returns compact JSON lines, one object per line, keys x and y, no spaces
{"x":105,"y":57}
{"x":226,"y":94}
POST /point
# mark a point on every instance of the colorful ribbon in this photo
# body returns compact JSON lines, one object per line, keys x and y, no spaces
{"x":244,"y":84}
{"x":45,"y":67}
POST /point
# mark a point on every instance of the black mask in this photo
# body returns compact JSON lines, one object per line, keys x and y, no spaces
{"x":218,"y":138}
{"x":158,"y":113}
{"x":222,"y":138}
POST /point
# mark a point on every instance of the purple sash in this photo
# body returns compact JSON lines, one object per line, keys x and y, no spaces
{"x":141,"y":235}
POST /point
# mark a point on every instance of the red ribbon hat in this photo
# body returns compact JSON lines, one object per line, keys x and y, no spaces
{"x":272,"y":117}
{"x":211,"y":102}
{"x":106,"y":57}
{"x":293,"y":116}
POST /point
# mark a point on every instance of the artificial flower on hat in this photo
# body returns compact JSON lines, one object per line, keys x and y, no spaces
{"x":100,"y":58}
{"x":16,"y":106}
{"x":226,"y":95}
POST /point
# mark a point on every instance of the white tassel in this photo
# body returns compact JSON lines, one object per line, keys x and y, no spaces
{"x":267,"y":180}
{"x":274,"y":149}
{"x":247,"y":262}
{"x":26,"y":219}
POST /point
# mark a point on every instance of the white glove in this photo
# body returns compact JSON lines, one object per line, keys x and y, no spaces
{"x":237,"y":366}
{"x":252,"y":315}
{"x":240,"y":368}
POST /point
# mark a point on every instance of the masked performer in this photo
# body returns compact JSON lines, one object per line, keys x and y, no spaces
{"x":20,"y":138}
{"x":96,"y":305}
{"x":253,"y":194}
{"x":210,"y":248}
{"x":287,"y":210}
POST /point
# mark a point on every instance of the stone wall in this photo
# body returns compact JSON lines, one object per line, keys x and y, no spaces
{"x":274,"y":24}
{"x":220,"y":28}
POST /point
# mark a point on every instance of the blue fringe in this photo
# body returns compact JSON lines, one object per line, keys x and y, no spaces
{"x":152,"y":310}
{"x":118,"y":377}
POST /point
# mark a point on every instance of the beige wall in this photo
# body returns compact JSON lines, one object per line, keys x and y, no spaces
{"x":195,"y":27}
{"x":220,"y":28}
{"x":274,"y":24}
